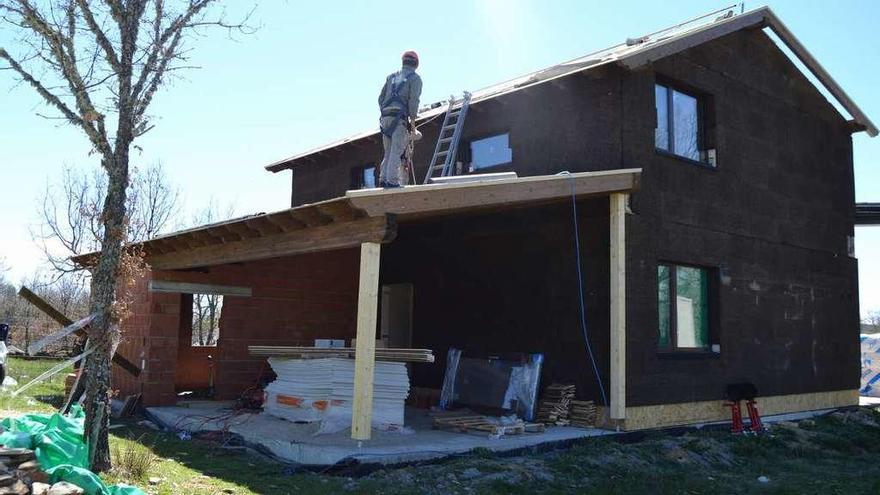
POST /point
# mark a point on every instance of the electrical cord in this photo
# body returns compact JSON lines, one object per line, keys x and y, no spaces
{"x":577,"y":249}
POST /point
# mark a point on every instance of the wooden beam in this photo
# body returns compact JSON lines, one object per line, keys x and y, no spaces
{"x":617,"y":240}
{"x":339,"y":211}
{"x":437,"y":199}
{"x":63,"y":320}
{"x":334,"y":236}
{"x":263,"y":226}
{"x":310,"y":216}
{"x":365,"y":347}
{"x":188,"y":288}
{"x":285,"y":222}
{"x":243,"y":230}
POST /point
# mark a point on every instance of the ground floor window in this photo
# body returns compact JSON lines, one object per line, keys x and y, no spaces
{"x":206,"y":309}
{"x":684,"y":298}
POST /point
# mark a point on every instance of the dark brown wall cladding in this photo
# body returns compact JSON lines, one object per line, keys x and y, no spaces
{"x":506,"y":283}
{"x":772,"y":219}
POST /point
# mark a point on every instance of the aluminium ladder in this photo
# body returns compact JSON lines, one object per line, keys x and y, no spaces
{"x":443,"y":160}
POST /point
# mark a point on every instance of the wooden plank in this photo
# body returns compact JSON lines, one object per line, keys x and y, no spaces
{"x":45,"y":307}
{"x":56,"y":315}
{"x":324,"y":238}
{"x":437,"y":199}
{"x":188,"y":288}
{"x":618,"y":306}
{"x":364,"y":361}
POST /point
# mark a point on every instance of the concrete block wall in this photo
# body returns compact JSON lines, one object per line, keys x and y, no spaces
{"x":295,"y":300}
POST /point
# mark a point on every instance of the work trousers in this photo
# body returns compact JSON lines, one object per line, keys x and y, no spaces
{"x":392,"y":171}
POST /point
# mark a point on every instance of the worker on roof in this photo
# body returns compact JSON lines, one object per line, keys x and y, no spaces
{"x":399,"y":104}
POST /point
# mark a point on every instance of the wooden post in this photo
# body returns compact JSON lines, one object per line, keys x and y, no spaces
{"x":617,"y":239}
{"x":365,"y":348}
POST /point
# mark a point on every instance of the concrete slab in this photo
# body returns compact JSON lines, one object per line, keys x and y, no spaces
{"x":300,"y":443}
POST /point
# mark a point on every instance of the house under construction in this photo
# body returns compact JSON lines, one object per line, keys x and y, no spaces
{"x":693,"y":186}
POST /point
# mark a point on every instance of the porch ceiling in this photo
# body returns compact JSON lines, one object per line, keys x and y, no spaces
{"x":369,"y":215}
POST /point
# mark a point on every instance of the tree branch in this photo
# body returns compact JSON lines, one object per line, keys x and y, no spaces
{"x":100,"y":37}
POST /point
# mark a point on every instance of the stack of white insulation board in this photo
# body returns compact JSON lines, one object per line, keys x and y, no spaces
{"x":308,"y":390}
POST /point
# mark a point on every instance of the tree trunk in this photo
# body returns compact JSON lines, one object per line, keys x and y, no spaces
{"x":104,"y":333}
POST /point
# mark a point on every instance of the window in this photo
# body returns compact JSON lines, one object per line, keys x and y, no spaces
{"x":683,"y":297}
{"x":206,"y":309}
{"x":363,"y":177}
{"x":491,"y":151}
{"x":679,"y":123}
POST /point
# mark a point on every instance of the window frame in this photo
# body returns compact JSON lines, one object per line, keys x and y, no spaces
{"x":357,"y":176}
{"x":468,"y":153}
{"x":712,"y":300}
{"x":703,"y":114}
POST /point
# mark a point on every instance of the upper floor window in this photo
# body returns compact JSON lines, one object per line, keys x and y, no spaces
{"x":491,"y":151}
{"x":679,"y":124}
{"x":363,"y":177}
{"x":684,"y":298}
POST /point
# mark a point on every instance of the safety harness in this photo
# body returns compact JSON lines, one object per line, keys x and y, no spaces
{"x":395,"y":97}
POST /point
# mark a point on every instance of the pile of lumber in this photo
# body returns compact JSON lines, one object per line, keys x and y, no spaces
{"x":553,"y":409}
{"x":467,"y":422}
{"x":583,"y":413}
{"x":398,"y":355}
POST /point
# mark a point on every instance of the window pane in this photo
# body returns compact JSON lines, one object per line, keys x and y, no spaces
{"x":491,"y":151}
{"x":369,"y":179}
{"x":661,"y":132}
{"x":685,"y":125}
{"x":692,"y":307}
{"x":663,"y":305}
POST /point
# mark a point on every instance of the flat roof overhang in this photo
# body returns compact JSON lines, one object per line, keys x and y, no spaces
{"x":368,"y":215}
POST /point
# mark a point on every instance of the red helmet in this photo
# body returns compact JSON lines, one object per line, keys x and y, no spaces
{"x":410,"y":57}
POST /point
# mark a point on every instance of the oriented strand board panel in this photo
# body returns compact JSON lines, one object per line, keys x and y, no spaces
{"x":663,"y":415}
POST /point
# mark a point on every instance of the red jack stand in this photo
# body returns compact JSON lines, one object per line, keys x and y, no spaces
{"x":754,"y":418}
{"x":736,"y":417}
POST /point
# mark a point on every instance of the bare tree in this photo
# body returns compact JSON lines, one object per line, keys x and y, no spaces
{"x":873,"y":319}
{"x":206,"y":319}
{"x":99,"y":64}
{"x":70,"y":214}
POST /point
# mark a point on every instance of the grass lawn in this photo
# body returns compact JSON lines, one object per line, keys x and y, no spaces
{"x":835,"y":454}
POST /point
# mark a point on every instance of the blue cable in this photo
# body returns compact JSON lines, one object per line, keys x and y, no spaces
{"x":577,"y":249}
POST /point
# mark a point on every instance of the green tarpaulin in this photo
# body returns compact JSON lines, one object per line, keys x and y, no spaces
{"x":57,"y":441}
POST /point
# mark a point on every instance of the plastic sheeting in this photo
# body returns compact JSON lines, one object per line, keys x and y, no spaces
{"x":494,"y":383}
{"x":57,"y":442}
{"x":870,"y":365}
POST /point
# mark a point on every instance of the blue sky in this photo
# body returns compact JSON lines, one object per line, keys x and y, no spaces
{"x":312,"y":72}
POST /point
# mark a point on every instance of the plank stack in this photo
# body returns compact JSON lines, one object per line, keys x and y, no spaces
{"x":583,"y":413}
{"x":394,"y":355}
{"x":310,"y":390}
{"x":468,"y":422}
{"x":553,"y":409}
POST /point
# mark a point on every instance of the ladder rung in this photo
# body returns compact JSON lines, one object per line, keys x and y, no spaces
{"x":445,"y":140}
{"x":439,"y":167}
{"x":442,"y":153}
{"x":447,"y":127}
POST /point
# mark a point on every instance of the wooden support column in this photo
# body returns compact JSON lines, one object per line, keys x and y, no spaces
{"x":365,"y":349}
{"x":617,"y":239}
